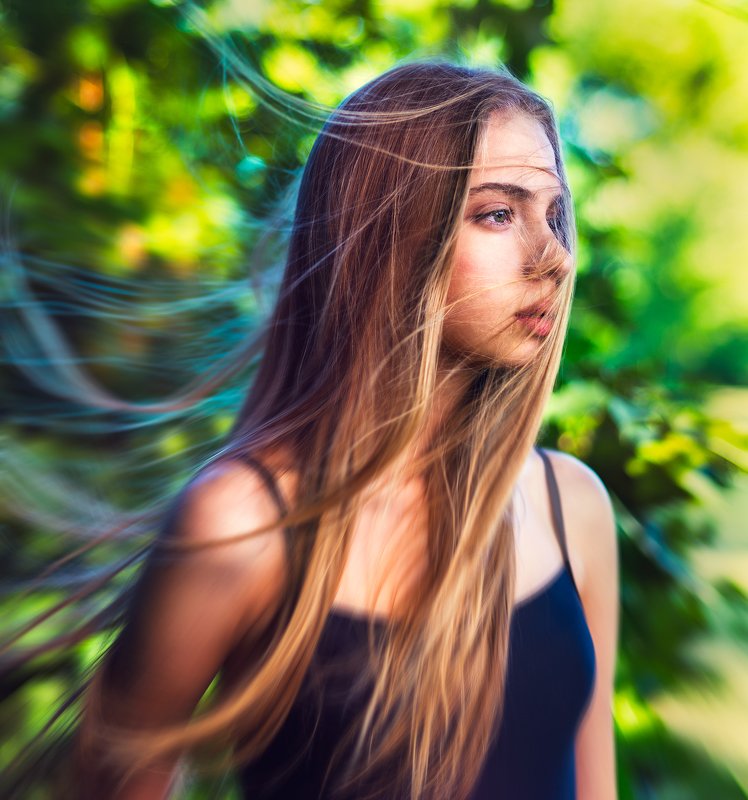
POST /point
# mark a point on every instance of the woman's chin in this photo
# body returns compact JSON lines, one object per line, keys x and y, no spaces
{"x":524,"y":352}
{"x":513,"y":351}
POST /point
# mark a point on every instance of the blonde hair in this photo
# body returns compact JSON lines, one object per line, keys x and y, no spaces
{"x":352,"y":359}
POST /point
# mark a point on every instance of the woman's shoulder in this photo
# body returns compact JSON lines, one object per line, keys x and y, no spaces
{"x":577,"y":478}
{"x":216,"y":513}
{"x":589,"y":519}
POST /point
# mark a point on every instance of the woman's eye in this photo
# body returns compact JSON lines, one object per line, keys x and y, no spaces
{"x":499,"y":216}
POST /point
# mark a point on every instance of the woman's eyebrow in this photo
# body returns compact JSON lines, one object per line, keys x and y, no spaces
{"x":511,"y":189}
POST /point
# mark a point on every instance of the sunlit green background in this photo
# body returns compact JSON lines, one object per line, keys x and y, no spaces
{"x":127,"y":149}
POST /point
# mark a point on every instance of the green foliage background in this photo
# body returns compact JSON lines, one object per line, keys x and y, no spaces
{"x":127,"y":149}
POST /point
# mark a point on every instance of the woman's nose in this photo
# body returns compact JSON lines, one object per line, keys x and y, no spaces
{"x":565,"y":263}
{"x":549,"y":257}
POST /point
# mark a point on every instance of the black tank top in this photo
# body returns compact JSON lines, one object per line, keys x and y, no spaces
{"x":551,"y":674}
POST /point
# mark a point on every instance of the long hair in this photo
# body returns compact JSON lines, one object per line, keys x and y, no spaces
{"x":353,"y":357}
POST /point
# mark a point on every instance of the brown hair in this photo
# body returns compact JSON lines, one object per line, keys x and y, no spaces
{"x":353,"y":355}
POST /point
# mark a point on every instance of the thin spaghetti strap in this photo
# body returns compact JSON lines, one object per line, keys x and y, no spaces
{"x":269,"y":480}
{"x":267,"y":476}
{"x":558,"y":516}
{"x":288,"y":533}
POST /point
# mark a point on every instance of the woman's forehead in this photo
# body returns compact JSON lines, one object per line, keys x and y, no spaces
{"x":515,"y":150}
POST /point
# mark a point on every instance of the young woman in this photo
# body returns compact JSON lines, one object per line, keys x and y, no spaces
{"x":398,"y":593}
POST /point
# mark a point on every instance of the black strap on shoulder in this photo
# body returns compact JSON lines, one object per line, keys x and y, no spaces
{"x":269,"y":480}
{"x":295,"y":557}
{"x":558,"y":516}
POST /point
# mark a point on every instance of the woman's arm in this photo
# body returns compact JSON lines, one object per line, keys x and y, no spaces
{"x":188,"y":612}
{"x":591,"y":531}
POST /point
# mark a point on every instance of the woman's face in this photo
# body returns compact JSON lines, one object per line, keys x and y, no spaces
{"x":514,"y":191}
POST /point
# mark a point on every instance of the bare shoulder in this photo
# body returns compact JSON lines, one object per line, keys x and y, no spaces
{"x":589,"y":518}
{"x":578,"y":481}
{"x":217,"y":512}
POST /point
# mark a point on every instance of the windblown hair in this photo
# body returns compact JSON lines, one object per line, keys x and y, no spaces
{"x":353,"y":356}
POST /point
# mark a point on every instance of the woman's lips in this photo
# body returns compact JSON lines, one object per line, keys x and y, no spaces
{"x":541,"y":326}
